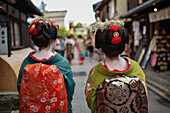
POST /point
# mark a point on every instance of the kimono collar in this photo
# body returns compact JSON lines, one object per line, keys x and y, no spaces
{"x":52,"y":59}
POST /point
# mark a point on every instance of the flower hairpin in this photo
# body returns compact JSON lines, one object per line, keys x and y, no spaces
{"x":116,"y":39}
{"x":107,"y":23}
{"x":39,"y":20}
{"x":44,"y":20}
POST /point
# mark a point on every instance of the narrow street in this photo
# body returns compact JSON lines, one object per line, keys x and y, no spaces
{"x":142,"y":27}
{"x":80,"y":72}
{"x":156,"y":103}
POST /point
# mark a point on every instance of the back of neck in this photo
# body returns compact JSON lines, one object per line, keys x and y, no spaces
{"x":118,"y":63}
{"x":44,"y":53}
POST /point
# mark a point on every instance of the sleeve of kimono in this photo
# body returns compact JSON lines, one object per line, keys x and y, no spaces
{"x":25,"y":62}
{"x":139,"y":72}
{"x":65,"y":68}
{"x":70,"y":84}
{"x":91,"y":100}
{"x":91,"y":95}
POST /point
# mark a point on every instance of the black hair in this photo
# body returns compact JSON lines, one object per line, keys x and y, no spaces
{"x":103,"y":40}
{"x":68,"y":36}
{"x":126,"y":35}
{"x":45,"y":33}
{"x":79,"y":36}
{"x":99,"y":38}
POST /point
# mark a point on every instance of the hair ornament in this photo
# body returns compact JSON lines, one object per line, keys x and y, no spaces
{"x":116,"y":39}
{"x":32,"y":30}
{"x":39,"y":20}
{"x":107,"y":23}
{"x":43,"y":20}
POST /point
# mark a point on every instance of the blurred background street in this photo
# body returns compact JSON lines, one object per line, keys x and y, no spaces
{"x":148,"y":24}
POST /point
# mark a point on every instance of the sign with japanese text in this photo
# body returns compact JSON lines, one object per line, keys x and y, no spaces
{"x":160,"y":15}
{"x":3,"y":41}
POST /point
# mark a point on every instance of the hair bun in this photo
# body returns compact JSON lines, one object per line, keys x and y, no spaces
{"x":32,"y":30}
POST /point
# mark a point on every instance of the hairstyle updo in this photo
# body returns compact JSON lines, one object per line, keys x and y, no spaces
{"x":103,"y":40}
{"x":42,"y":32}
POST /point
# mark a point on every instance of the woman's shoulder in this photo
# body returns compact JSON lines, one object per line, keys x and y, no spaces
{"x":133,"y":62}
{"x":136,"y":68}
{"x":27,"y":60}
{"x":28,"y":56}
{"x":94,"y":68}
{"x":91,"y":71}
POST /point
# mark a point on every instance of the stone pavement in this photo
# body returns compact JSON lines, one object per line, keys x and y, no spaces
{"x":159,"y":82}
{"x":79,"y":101}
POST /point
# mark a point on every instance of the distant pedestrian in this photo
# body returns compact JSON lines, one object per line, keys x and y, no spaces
{"x":61,"y":51}
{"x":81,"y":49}
{"x":90,"y":48}
{"x":117,"y":84}
{"x":57,"y":46}
{"x":45,"y":82}
{"x":69,"y":48}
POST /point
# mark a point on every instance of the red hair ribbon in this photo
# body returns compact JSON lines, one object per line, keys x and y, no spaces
{"x":116,"y":38}
{"x":32,"y":30}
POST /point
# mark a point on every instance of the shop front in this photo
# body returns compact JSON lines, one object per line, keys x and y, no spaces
{"x":160,"y":22}
{"x":144,"y":20}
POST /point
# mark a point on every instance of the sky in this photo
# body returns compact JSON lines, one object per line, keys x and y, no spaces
{"x":77,"y":10}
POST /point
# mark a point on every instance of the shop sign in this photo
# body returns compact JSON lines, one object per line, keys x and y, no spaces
{"x":3,"y":41}
{"x":160,"y":15}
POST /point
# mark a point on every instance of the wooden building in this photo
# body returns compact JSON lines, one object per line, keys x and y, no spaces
{"x":109,"y":9}
{"x":57,"y":17}
{"x":154,"y":15}
{"x":13,"y":16}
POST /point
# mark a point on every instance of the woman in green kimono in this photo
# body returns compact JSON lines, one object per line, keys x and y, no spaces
{"x":44,"y":35}
{"x":111,"y":37}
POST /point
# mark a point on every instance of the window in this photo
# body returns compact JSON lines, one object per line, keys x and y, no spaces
{"x":15,"y":34}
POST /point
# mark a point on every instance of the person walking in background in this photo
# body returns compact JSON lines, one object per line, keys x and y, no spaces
{"x":117,"y":84}
{"x":45,"y":81}
{"x":99,"y":54}
{"x":90,"y":48}
{"x":81,"y":49}
{"x":61,"y":51}
{"x":69,"y":48}
{"x":57,"y":46}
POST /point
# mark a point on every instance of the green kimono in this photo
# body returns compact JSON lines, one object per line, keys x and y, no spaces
{"x":100,"y":73}
{"x":62,"y":64}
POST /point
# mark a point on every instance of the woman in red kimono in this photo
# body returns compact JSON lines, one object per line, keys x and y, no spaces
{"x":45,"y":82}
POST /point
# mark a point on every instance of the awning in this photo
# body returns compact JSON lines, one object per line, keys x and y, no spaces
{"x":100,"y":5}
{"x":140,"y":8}
{"x":11,"y":1}
{"x":96,"y":5}
{"x":27,"y":7}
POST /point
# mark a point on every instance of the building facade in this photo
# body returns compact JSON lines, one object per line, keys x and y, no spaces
{"x":109,"y":9}
{"x":57,"y":17}
{"x":152,"y":16}
{"x":14,"y":34}
{"x":142,"y":18}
